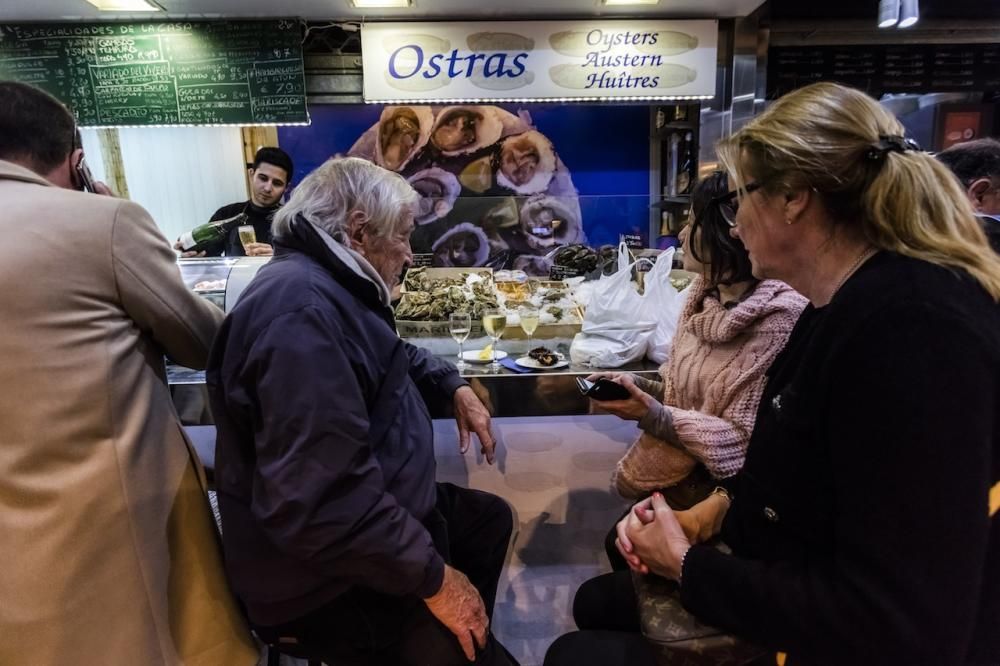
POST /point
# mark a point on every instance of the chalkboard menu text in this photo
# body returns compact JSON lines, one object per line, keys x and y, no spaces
{"x":188,"y":72}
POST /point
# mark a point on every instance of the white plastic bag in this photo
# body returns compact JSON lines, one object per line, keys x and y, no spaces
{"x":664,"y":305}
{"x":617,"y":324}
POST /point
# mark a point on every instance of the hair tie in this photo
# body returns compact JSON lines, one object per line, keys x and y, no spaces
{"x":890,"y":144}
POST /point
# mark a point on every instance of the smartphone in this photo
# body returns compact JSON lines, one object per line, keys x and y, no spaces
{"x":602,"y":389}
{"x":86,"y":178}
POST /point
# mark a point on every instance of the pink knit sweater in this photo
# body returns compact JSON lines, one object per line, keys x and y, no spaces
{"x":713,"y":381}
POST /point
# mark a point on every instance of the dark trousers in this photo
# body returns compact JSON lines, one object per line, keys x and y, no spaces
{"x":606,"y":648}
{"x":606,"y":611}
{"x":365,"y":628}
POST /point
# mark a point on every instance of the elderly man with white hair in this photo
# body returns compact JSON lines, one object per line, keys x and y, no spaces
{"x":337,"y":539}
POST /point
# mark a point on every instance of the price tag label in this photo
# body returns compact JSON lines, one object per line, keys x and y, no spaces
{"x":563,"y":272}
{"x":422,"y":260}
{"x":632,"y":241}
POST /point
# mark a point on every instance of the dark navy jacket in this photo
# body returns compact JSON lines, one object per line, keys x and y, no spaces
{"x":324,"y":461}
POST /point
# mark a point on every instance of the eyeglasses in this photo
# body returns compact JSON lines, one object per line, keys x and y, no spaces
{"x":729,"y":203}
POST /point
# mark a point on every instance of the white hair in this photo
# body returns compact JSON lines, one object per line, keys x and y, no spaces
{"x":341,"y":185}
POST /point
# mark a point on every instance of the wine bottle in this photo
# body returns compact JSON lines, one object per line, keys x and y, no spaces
{"x":203,"y":237}
{"x":673,"y":163}
{"x":686,"y":170}
{"x":666,"y":222}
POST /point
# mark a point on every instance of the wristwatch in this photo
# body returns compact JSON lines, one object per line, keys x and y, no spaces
{"x":720,"y":490}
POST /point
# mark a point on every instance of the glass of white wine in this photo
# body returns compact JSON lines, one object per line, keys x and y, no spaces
{"x":247,"y":236}
{"x":529,"y":322}
{"x":494,"y":323}
{"x":459,"y":325}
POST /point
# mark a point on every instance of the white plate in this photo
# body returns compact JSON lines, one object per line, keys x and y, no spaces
{"x":528,"y":362}
{"x":472,"y":356}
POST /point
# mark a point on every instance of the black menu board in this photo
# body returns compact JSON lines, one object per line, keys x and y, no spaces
{"x":881,"y":69}
{"x":189,"y":72}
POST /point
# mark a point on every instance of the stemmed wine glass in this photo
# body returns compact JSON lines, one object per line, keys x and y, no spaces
{"x":494,"y":322}
{"x":529,"y":322}
{"x":459,"y":325}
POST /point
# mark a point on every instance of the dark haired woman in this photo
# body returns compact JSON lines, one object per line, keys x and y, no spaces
{"x":695,"y":423}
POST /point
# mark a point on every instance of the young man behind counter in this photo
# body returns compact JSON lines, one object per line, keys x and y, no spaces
{"x":269,"y":176}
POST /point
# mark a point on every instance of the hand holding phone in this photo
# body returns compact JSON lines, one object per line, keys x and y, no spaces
{"x":602,"y":389}
{"x":83,"y":174}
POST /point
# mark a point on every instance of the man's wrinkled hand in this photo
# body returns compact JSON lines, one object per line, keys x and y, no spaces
{"x":472,"y":415}
{"x":458,"y":606}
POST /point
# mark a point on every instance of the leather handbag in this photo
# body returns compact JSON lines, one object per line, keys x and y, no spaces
{"x":679,"y":638}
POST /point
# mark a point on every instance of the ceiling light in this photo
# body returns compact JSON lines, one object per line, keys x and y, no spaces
{"x":888,"y":13}
{"x":380,"y":4}
{"x":126,"y":5}
{"x":631,"y":2}
{"x":910,"y":13}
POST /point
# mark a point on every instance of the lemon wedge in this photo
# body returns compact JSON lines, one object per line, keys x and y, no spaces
{"x":487,"y":353}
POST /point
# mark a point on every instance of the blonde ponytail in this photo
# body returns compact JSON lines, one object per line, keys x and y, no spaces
{"x":915,"y":207}
{"x":821,"y":137}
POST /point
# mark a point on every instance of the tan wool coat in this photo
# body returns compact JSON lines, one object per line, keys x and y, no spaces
{"x":108,"y":551}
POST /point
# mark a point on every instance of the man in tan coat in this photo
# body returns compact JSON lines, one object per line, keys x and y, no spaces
{"x":108,"y":551}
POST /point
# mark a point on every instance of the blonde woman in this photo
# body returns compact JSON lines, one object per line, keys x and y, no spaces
{"x":864,"y":525}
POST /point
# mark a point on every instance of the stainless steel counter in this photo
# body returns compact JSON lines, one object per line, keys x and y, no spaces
{"x":506,"y":393}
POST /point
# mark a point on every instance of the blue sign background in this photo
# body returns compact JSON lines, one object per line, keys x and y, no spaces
{"x":605,"y":147}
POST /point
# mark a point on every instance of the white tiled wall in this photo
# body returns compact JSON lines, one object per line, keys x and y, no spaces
{"x":181,"y":175}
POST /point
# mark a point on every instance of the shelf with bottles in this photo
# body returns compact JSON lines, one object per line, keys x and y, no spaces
{"x":672,"y":202}
{"x":673,"y":219}
{"x":676,"y":116}
{"x":676,"y":129}
{"x":666,"y":130}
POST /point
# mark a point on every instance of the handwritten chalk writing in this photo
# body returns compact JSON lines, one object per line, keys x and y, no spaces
{"x":161,"y":73}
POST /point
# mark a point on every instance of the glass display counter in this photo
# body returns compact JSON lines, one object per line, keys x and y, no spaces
{"x":219,"y":280}
{"x":511,"y":391}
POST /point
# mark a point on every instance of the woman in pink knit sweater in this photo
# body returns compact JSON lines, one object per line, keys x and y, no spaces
{"x":696,"y":423}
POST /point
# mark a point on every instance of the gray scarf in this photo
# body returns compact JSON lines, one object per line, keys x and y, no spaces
{"x":356,"y":262}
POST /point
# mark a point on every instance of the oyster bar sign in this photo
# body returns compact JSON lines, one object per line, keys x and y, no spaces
{"x":538,"y":60}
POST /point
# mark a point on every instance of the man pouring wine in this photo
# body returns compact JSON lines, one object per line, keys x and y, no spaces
{"x":244,"y":228}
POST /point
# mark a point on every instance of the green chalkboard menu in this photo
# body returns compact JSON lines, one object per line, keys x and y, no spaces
{"x":189,"y":72}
